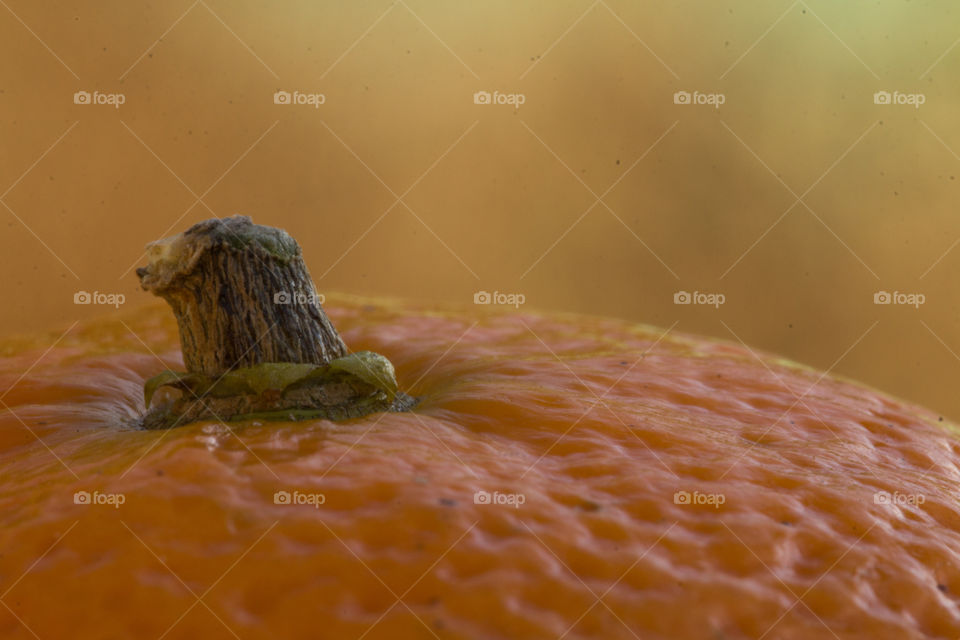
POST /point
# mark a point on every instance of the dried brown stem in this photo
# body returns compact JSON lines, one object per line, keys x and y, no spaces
{"x":242,"y":295}
{"x":250,"y":319}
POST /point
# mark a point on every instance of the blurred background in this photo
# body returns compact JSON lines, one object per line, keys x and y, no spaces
{"x":628,"y":152}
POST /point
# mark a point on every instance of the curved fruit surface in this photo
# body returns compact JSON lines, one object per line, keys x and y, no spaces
{"x":631,"y":484}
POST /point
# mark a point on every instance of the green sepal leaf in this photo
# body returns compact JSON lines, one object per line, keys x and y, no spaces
{"x":370,"y":367}
{"x":273,"y":375}
{"x":366,"y":366}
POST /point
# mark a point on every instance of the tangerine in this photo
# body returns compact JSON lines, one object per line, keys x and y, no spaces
{"x":562,"y":477}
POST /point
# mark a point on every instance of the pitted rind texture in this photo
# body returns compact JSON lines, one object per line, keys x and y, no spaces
{"x":597,"y":426}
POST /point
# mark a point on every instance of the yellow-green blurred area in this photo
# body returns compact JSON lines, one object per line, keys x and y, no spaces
{"x":798,"y":199}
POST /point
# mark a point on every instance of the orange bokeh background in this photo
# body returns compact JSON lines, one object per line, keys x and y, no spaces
{"x":797,"y":199}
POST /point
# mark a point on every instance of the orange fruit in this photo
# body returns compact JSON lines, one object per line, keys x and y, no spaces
{"x":562,"y":476}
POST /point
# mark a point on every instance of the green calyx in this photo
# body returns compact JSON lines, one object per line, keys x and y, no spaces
{"x":278,"y":377}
